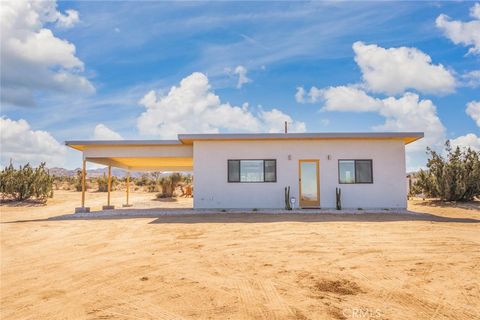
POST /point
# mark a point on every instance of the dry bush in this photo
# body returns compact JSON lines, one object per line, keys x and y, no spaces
{"x":26,"y":182}
{"x":455,"y":177}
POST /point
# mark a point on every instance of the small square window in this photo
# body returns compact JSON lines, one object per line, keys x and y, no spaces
{"x":270,"y":170}
{"x":233,"y":170}
{"x":355,"y":171}
{"x":363,"y":171}
{"x":251,"y":170}
{"x":346,"y":171}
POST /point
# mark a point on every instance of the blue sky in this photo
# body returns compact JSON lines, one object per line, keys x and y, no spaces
{"x":123,"y":50}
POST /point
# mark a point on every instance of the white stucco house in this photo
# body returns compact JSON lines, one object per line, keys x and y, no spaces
{"x":252,"y":170}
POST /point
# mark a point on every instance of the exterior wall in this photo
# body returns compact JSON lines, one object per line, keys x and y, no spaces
{"x":213,"y":191}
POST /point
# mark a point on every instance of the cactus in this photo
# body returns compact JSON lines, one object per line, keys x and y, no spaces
{"x":287,"y":198}
{"x":338,"y":192}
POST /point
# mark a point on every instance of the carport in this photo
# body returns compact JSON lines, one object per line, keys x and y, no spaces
{"x":132,"y":155}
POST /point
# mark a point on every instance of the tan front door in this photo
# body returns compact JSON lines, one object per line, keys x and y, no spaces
{"x":309,"y":183}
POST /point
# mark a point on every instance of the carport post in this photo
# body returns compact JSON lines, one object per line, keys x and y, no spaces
{"x":128,"y":185}
{"x":109,"y":187}
{"x":83,"y":181}
{"x":84,"y":188}
{"x":127,"y":190}
{"x":109,"y":184}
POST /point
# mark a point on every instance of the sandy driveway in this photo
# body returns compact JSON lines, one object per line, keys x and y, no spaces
{"x":244,"y":267}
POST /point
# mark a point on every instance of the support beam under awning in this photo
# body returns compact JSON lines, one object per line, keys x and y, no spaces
{"x":182,"y":164}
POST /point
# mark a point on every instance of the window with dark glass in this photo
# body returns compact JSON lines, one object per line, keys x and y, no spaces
{"x":252,"y":170}
{"x":233,"y":170}
{"x":355,"y":171}
{"x":270,"y":168}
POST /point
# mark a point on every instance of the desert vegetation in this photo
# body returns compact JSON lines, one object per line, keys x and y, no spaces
{"x":25,"y":183}
{"x":37,"y":183}
{"x":159,"y":182}
{"x":102,"y":183}
{"x":453,"y":177}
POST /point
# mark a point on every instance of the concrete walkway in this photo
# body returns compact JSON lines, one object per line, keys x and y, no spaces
{"x":155,"y":212}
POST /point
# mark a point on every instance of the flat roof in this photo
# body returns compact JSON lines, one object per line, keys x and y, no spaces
{"x":406,"y":136}
{"x":183,"y":139}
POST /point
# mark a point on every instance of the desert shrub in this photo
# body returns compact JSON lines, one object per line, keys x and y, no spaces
{"x":26,"y":182}
{"x":102,"y":183}
{"x":150,"y":181}
{"x":155,"y":182}
{"x":187,"y":179}
{"x":454,"y":177}
{"x":169,"y":184}
{"x":78,"y":181}
{"x":144,"y":180}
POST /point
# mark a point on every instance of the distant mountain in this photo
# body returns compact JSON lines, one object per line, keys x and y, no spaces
{"x":61,"y":172}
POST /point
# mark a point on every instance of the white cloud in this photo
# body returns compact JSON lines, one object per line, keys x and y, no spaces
{"x":69,"y":20}
{"x":407,"y":113}
{"x":32,"y":58}
{"x":395,"y":70}
{"x":469,"y":140}
{"x":21,"y":144}
{"x":241,"y":71}
{"x":325,"y":122}
{"x":312,"y":96}
{"x":346,"y":98}
{"x":102,"y":132}
{"x":473,"y":110}
{"x":465,"y":33}
{"x":475,"y":11}
{"x":300,"y":95}
{"x":273,"y":121}
{"x":471,"y":79}
{"x":192,"y":107}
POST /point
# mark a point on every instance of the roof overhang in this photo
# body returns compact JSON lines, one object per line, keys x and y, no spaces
{"x":182,"y":164}
{"x":84,"y":144}
{"x":407,"y":137}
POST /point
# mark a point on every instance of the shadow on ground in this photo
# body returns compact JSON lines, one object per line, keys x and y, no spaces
{"x":469,"y":205}
{"x":316,"y":217}
{"x":198,"y":218}
{"x":22,"y":203}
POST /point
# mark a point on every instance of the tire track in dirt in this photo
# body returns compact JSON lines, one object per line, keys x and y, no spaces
{"x":274,"y":301}
{"x":261,"y":300}
{"x":113,"y":300}
{"x":138,"y":306}
{"x":251,"y":302}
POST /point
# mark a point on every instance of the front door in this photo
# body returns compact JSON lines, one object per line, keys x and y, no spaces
{"x":309,"y":183}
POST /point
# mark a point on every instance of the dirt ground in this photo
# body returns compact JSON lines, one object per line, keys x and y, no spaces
{"x":244,"y":266}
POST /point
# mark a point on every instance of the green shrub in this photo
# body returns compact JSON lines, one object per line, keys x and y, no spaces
{"x":455,"y":177}
{"x":144,"y":180}
{"x":26,"y":182}
{"x":169,"y":184}
{"x":102,"y":183}
{"x":78,"y":181}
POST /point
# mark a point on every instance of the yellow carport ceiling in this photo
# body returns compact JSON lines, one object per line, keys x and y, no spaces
{"x":146,"y":163}
{"x":154,"y":162}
